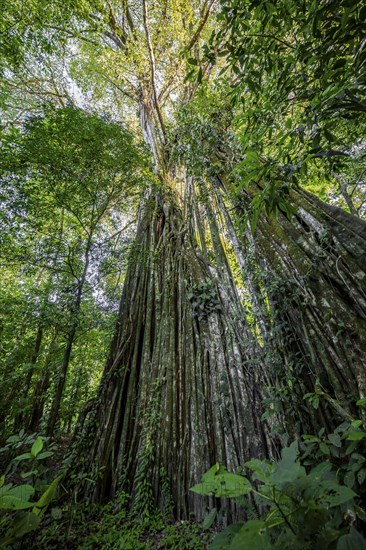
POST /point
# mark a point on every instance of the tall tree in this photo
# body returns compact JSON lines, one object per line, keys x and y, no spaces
{"x":179,"y":337}
{"x":187,"y":368}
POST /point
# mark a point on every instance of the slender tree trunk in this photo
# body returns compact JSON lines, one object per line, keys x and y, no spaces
{"x":12,"y":395}
{"x":55,"y":408}
{"x":347,"y":197}
{"x":40,"y":392}
{"x":37,"y":346}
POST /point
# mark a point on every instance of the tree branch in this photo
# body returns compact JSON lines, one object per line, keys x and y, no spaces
{"x":152,"y":66}
{"x":202,"y":23}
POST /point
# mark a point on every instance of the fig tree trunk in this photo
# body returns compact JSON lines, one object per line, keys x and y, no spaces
{"x":181,"y":389}
{"x":314,"y":272}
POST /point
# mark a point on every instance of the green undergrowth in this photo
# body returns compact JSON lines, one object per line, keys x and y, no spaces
{"x":35,"y":514}
{"x":111,"y":527}
{"x":313,"y":497}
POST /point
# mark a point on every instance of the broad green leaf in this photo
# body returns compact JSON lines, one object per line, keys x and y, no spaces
{"x":43,"y":455}
{"x":288,"y":469}
{"x":16,"y":498}
{"x":353,"y":541}
{"x":37,"y":446}
{"x":12,"y":439}
{"x":356,"y":436}
{"x":46,"y":498}
{"x":202,"y":489}
{"x":231,"y":485}
{"x":210,"y":474}
{"x":320,"y":471}
{"x":217,"y":481}
{"x":336,"y":494}
{"x":324,"y":448}
{"x":261,"y":469}
{"x":253,"y":535}
{"x":25,"y":523}
{"x":356,"y":423}
{"x":350,"y":479}
{"x":335,"y":440}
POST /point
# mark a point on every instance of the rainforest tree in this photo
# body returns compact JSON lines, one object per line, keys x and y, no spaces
{"x":244,"y":291}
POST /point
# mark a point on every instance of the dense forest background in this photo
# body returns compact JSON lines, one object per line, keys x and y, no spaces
{"x":182,"y":274}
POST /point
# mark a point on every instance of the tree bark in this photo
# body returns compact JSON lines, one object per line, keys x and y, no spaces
{"x":316,"y":274}
{"x":37,"y":346}
{"x":179,"y":391}
{"x":55,"y":408}
{"x":42,"y":386}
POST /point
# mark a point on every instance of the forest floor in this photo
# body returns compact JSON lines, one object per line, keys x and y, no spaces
{"x":83,"y":528}
{"x":72,"y":525}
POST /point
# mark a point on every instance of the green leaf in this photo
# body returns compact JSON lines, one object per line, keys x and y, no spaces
{"x":356,"y":423}
{"x":361,"y":476}
{"x":261,"y":469}
{"x":46,"y":498}
{"x":43,"y":455}
{"x":37,"y":446}
{"x":223,"y":540}
{"x":253,"y":535}
{"x":251,"y":156}
{"x":350,"y":479}
{"x":13,"y":439}
{"x":24,"y":456}
{"x":335,"y":494}
{"x":288,"y":123}
{"x":24,"y":475}
{"x":24,"y":524}
{"x":210,"y":474}
{"x":356,"y":436}
{"x":335,"y":440}
{"x":56,"y":513}
{"x":217,"y":481}
{"x":320,"y":471}
{"x":231,"y":485}
{"x":361,"y":402}
{"x":288,"y":469}
{"x":209,"y":519}
{"x":353,"y":541}
{"x":324,"y":448}
{"x":16,"y":498}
